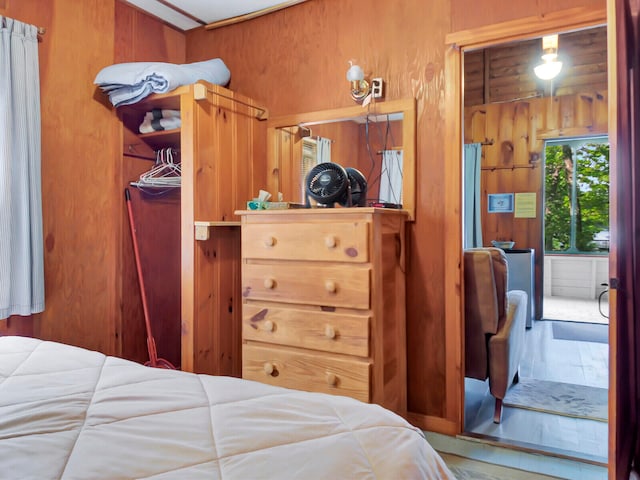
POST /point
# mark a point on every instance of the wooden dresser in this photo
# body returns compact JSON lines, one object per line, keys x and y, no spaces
{"x":324,"y":301}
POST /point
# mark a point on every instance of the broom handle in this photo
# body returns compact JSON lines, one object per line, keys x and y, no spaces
{"x":150,"y":340}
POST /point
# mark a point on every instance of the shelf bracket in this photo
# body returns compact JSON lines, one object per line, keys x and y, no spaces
{"x":199,"y":91}
{"x":203,"y":229}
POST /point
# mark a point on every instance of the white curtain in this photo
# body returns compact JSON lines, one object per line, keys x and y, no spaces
{"x":391,"y":177}
{"x":324,"y":150}
{"x":472,"y":213}
{"x":21,"y":245}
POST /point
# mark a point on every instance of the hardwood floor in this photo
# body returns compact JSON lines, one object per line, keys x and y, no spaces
{"x":545,"y":358}
{"x":471,"y":450}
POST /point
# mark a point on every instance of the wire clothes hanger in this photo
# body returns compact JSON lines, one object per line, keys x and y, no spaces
{"x":165,"y":173}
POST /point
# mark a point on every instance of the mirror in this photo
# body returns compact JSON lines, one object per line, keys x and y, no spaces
{"x":378,"y":141}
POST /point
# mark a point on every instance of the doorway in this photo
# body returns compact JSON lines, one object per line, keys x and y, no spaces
{"x":512,"y":129}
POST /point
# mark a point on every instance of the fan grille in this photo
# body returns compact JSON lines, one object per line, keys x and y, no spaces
{"x":326,"y":182}
{"x":358,"y":189}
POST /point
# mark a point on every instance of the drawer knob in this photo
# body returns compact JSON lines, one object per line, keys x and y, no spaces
{"x":330,"y":241}
{"x":270,"y":369}
{"x":269,"y":241}
{"x":332,"y":379}
{"x":268,"y":326}
{"x":330,"y":286}
{"x":329,"y":332}
{"x":269,"y":283}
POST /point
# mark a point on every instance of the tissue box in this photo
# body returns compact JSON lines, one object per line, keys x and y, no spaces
{"x":277,"y":205}
{"x":256,"y":205}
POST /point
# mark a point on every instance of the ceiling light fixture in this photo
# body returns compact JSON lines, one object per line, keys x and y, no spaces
{"x":550,"y":66}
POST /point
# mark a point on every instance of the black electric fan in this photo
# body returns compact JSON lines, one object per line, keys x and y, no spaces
{"x":328,"y":183}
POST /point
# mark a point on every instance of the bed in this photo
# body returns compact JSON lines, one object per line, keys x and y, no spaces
{"x":67,"y":412}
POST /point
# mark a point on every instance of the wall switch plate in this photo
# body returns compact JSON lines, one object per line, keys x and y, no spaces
{"x":376,"y":88}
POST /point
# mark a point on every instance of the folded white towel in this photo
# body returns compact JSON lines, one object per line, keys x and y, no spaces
{"x":128,"y":83}
{"x":157,"y":124}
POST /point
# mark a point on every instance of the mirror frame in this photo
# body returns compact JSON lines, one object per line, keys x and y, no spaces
{"x":405,"y":106}
{"x":457,"y":43}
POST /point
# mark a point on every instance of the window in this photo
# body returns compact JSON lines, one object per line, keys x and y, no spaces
{"x":576,"y":196}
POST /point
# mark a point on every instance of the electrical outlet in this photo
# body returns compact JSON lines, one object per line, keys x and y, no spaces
{"x":376,"y":88}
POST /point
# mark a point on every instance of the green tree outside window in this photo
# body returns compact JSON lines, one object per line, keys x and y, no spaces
{"x":576,"y":194}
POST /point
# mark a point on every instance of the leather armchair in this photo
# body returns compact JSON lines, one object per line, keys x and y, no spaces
{"x":495,"y":322}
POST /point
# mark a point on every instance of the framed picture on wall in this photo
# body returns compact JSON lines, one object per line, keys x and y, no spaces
{"x":500,"y":202}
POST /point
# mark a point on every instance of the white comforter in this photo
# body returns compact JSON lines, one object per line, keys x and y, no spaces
{"x":70,"y":413}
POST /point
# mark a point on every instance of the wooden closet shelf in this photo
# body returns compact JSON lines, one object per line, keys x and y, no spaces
{"x":162,"y":138}
{"x":169,"y":101}
{"x":203,"y":227}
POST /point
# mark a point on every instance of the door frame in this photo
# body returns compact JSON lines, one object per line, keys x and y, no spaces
{"x":457,"y":43}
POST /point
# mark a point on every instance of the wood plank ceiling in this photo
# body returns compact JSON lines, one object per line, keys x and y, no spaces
{"x":188,"y":14}
{"x":505,"y":73}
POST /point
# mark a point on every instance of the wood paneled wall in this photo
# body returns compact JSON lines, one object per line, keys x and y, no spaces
{"x":79,"y":164}
{"x":381,"y":136}
{"x":295,"y":60}
{"x":513,"y":162}
{"x":82,"y":168}
{"x":22,"y":326}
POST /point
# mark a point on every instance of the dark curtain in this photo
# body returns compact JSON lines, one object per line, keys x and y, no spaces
{"x":627,"y":238}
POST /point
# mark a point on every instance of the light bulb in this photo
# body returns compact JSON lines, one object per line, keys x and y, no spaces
{"x":355,"y":73}
{"x":548,"y":70}
{"x":550,"y":66}
{"x":359,"y":86}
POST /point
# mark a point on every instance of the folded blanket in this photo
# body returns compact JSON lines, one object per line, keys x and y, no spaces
{"x":161,"y":113}
{"x":156,"y":124}
{"x":128,"y":83}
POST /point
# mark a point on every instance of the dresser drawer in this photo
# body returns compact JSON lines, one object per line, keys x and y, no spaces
{"x":303,"y":371}
{"x":338,"y":242}
{"x":329,"y":332}
{"x":325,"y":285}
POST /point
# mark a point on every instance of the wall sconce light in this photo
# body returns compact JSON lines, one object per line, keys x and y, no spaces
{"x":361,"y":90}
{"x":550,"y":66}
{"x":359,"y":86}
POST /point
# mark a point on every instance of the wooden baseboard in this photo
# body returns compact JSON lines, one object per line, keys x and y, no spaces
{"x":433,"y":424}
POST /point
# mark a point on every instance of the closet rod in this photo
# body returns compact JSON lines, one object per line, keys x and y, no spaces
{"x":263,"y":113}
{"x":395,"y":149}
{"x":513,"y":167}
{"x":318,"y":137}
{"x":486,"y":141}
{"x":135,"y":155}
{"x":40,"y":30}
